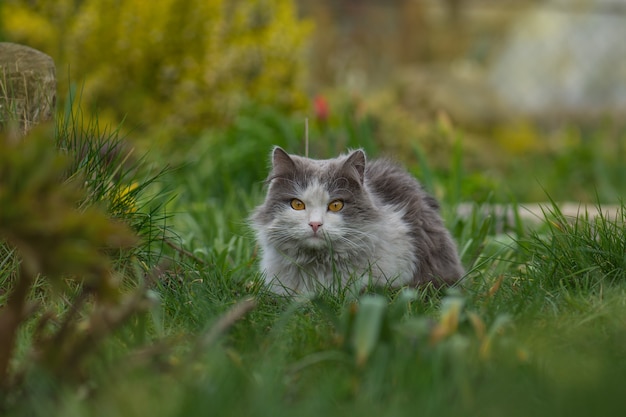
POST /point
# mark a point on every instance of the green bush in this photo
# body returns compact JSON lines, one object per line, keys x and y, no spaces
{"x":59,"y":244}
{"x":582,"y":252}
{"x":78,"y":230}
{"x":179,"y":63}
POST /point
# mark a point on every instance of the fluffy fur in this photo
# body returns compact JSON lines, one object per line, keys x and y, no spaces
{"x":388,"y":230}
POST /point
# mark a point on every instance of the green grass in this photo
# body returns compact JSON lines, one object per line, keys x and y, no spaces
{"x":538,"y":326}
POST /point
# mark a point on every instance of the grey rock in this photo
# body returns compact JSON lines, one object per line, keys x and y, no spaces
{"x":27,"y":87}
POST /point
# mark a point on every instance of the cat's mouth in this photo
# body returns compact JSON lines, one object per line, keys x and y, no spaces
{"x":316,"y":240}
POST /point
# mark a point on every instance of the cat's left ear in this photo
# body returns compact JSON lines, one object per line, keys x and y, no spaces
{"x":356,"y":164}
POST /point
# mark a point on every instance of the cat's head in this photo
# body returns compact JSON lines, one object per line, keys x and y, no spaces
{"x":316,"y":204}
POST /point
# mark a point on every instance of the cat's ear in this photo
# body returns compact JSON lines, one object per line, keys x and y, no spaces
{"x":281,"y":162}
{"x":355,"y":163}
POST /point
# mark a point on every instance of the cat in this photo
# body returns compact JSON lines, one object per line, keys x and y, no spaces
{"x":347,"y":221}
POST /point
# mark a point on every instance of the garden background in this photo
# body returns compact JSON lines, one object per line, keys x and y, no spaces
{"x":128,"y":279}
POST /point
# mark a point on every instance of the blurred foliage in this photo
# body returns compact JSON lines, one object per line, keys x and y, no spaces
{"x":581,"y":253}
{"x":79,"y":236}
{"x":124,"y":183}
{"x":38,"y":213}
{"x":55,"y":239}
{"x":373,"y":321}
{"x":177,"y":64}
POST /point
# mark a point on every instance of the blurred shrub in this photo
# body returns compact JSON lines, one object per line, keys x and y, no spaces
{"x":232,"y":160}
{"x":76,"y":227}
{"x":584,"y":252}
{"x":187,"y":64}
{"x":126,"y":185}
{"x":62,"y":245}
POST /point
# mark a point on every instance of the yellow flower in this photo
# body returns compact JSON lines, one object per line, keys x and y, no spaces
{"x":122,"y":198}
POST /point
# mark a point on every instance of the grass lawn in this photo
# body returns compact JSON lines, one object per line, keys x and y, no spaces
{"x":537,"y":327}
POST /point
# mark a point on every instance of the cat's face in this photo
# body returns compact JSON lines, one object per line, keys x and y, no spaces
{"x":316,"y":204}
{"x":313,"y":216}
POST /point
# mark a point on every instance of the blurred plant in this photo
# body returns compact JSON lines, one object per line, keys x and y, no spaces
{"x":520,"y":138}
{"x":454,"y":321}
{"x":580,"y":253}
{"x":65,"y":244}
{"x":126,"y":185}
{"x":385,"y":344}
{"x":76,"y":225}
{"x":371,"y":321}
{"x":239,"y":155}
{"x":180,"y":64}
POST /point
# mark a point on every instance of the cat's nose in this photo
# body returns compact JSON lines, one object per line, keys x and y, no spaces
{"x":315,"y":226}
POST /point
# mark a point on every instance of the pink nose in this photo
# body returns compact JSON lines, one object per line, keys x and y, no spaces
{"x":315,"y":226}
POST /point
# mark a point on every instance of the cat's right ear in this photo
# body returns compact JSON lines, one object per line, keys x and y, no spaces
{"x":282,"y":163}
{"x":356,"y":164}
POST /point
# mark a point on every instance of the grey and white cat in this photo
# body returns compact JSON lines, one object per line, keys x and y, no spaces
{"x":345,"y":220}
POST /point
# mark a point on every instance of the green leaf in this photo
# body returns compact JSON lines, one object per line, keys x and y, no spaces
{"x":367,"y":326}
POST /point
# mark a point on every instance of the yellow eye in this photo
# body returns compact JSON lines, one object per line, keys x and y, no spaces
{"x":297,"y":204}
{"x":335,"y":205}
